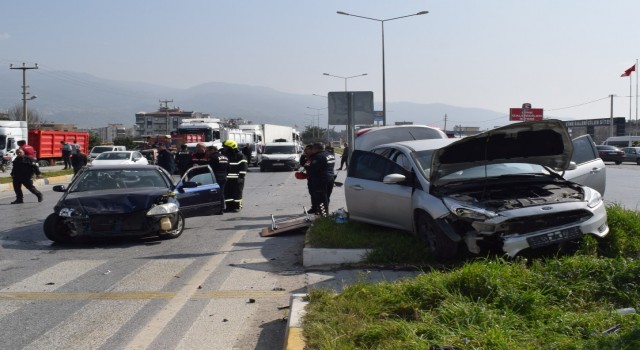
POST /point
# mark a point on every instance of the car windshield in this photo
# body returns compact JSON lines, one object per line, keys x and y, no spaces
{"x":110,"y":179}
{"x":99,"y":149}
{"x":114,"y":156}
{"x":279,"y":150}
{"x":423,"y":158}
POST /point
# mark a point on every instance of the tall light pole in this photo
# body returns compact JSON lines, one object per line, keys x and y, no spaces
{"x":318,"y":116}
{"x":345,"y":78}
{"x":24,"y":88}
{"x":384,"y":96}
{"x":326,"y":97}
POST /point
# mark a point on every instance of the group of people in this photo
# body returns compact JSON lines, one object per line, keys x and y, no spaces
{"x":319,"y":164}
{"x":72,"y":156}
{"x":228,"y":164}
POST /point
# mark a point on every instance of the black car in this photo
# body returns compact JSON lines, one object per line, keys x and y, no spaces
{"x":131,"y":200}
{"x":610,"y":153}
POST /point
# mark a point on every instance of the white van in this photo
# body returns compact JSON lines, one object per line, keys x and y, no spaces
{"x":95,"y":151}
{"x":280,"y":155}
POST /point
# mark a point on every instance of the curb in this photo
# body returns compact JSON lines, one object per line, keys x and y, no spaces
{"x":294,"y":340}
{"x":325,"y":256}
{"x":41,"y":182}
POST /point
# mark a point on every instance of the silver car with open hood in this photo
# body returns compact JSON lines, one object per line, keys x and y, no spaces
{"x":525,"y":185}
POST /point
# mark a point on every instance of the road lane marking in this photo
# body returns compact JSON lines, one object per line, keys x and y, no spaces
{"x":53,"y":296}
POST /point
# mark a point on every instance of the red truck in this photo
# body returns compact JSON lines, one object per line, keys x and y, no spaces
{"x":174,"y":140}
{"x":48,"y":147}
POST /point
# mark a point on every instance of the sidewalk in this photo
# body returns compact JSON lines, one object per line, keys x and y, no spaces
{"x":39,"y":182}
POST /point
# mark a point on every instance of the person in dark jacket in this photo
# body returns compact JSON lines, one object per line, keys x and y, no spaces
{"x":23,"y":170}
{"x":78,"y":160}
{"x":183,"y":159}
{"x":305,"y":162}
{"x":219,"y":163}
{"x":344,"y":159}
{"x":235,"y":179}
{"x":246,"y":151}
{"x":321,"y":178}
{"x":165,"y":159}
{"x":199,"y":157}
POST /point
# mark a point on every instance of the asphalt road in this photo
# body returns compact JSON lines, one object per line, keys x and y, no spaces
{"x":219,"y":286}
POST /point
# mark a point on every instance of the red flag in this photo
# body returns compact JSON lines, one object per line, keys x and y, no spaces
{"x":628,"y":71}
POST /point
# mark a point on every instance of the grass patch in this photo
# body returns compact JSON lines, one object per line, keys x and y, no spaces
{"x":565,"y":302}
{"x":45,"y":174}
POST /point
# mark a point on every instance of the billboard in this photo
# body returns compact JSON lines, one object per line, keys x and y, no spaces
{"x":361,"y":107}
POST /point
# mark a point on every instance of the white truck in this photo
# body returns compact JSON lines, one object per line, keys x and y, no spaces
{"x":268,"y":133}
{"x":215,"y":133}
{"x":11,"y":132}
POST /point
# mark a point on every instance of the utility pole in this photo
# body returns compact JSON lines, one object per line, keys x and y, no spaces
{"x":445,"y":122}
{"x":611,"y":118}
{"x":24,"y":87}
{"x":166,"y":109}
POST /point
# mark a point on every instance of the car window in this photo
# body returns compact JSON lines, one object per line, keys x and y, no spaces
{"x":583,"y":150}
{"x":400,"y":159}
{"x":109,"y":179}
{"x":371,"y":166}
{"x":201,"y":176}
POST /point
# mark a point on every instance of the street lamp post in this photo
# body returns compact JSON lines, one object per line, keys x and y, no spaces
{"x":326,"y":97}
{"x":384,"y":97}
{"x":345,"y":78}
{"x":318,"y":116}
{"x":24,"y":69}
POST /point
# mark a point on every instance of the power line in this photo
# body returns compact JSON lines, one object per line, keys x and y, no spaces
{"x":578,"y":105}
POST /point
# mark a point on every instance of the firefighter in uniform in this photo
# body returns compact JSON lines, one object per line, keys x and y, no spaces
{"x":183,"y":159}
{"x":321,"y":178}
{"x":220,"y":166}
{"x":235,"y":179}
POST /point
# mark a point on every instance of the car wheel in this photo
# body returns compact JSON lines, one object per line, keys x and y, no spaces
{"x":638,"y":161}
{"x":440,"y":246}
{"x":56,"y":230}
{"x":618,"y":162}
{"x":177,"y":231}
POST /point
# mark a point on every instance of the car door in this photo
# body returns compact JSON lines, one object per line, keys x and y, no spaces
{"x":369,"y":199}
{"x":590,"y":169}
{"x":198,"y":192}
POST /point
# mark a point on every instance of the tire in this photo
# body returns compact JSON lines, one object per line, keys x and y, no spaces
{"x":43,"y":163}
{"x":177,"y":232}
{"x":440,"y":246}
{"x":638,"y":161}
{"x":618,"y":162}
{"x":56,"y":230}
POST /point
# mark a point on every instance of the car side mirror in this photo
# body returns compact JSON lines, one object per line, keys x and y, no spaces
{"x":394,"y":178}
{"x":572,"y":166}
{"x":189,"y":184}
{"x":59,"y":188}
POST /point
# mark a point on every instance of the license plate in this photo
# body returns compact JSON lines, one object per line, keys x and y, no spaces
{"x":554,"y":237}
{"x":277,"y":164}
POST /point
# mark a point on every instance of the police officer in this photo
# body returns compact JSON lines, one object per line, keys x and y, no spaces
{"x":219,"y":163}
{"x":235,"y":179}
{"x":321,"y":178}
{"x":23,"y":170}
{"x":183,"y":159}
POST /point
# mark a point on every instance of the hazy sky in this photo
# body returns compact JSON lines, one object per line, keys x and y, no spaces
{"x":489,"y":54}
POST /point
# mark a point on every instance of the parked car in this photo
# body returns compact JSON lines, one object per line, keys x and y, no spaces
{"x":119,"y":157}
{"x":632,"y":154}
{"x":95,"y":151}
{"x":280,"y":155}
{"x":131,"y":200}
{"x":506,"y":189}
{"x":610,"y":153}
{"x":370,"y":137}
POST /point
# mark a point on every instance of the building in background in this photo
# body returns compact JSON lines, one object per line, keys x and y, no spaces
{"x":110,"y":132}
{"x":164,"y":121}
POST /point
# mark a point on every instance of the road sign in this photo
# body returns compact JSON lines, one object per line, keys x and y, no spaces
{"x":361,"y":105}
{"x":525,"y":114}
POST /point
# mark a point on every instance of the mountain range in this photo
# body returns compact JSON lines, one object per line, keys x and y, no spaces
{"x":89,"y":101}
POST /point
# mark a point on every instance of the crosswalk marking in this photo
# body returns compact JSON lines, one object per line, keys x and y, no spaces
{"x":54,"y":277}
{"x":58,"y":296}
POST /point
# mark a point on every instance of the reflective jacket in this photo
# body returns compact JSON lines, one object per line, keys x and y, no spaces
{"x":237,"y":164}
{"x":219,"y":163}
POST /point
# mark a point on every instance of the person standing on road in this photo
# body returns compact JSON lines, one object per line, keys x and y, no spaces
{"x":235,"y":179}
{"x":344,"y":159}
{"x":305,"y":162}
{"x":246,"y":151}
{"x":78,"y":160}
{"x":183,"y":159}
{"x":321,"y":178}
{"x":165,"y":159}
{"x":219,"y":163}
{"x":22,"y":174}
{"x":66,"y":154}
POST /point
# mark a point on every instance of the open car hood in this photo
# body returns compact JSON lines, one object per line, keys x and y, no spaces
{"x":546,"y":143}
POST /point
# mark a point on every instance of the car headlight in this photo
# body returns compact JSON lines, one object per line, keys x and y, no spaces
{"x":593,"y":197}
{"x":265,"y":157}
{"x":163,"y":209}
{"x":70,"y":213}
{"x":465,"y":211}
{"x":291,"y":158}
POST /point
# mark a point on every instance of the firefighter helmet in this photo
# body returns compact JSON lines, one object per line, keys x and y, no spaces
{"x":231,"y":144}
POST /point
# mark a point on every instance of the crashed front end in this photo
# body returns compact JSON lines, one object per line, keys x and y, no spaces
{"x":109,"y":215}
{"x":513,"y":216}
